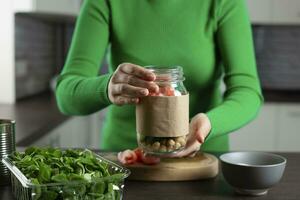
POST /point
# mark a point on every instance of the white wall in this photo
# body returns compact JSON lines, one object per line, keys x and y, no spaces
{"x":23,"y":5}
{"x":274,"y":11}
{"x":7,"y":83}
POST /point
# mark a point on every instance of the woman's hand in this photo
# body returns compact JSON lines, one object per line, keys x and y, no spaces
{"x":129,"y":82}
{"x":199,"y":129}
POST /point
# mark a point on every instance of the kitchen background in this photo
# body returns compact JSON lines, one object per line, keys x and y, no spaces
{"x":35,"y":37}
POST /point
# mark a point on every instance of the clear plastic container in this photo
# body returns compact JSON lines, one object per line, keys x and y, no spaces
{"x":170,"y":82}
{"x":23,"y":189}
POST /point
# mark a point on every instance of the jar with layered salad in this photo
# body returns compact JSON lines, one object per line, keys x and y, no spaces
{"x":162,"y":118}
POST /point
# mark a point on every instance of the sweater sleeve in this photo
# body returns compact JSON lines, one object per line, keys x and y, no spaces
{"x":80,"y":90}
{"x":242,"y":98}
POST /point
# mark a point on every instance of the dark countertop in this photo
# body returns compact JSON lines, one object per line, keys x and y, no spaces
{"x":34,"y":116}
{"x":212,"y":189}
{"x":281,"y":96}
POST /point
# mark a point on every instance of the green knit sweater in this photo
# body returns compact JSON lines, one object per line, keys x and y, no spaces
{"x":210,"y":39}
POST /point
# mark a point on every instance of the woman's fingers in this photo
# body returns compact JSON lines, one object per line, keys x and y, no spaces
{"x":196,"y":133}
{"x":199,"y":136}
{"x":200,"y":127}
{"x":151,"y":86}
{"x":129,"y":90}
{"x":138,"y":71}
{"x":130,"y":82}
{"x":122,"y":100}
{"x":135,"y":81}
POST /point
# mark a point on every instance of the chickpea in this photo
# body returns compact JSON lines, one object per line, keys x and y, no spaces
{"x":181,"y":140}
{"x":177,"y":145}
{"x":171,"y":142}
{"x":155,"y":146}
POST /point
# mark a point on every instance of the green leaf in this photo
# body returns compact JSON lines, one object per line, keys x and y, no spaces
{"x":16,"y":156}
{"x":57,"y":153}
{"x":31,"y":151}
{"x":76,"y":177}
{"x":44,"y":173}
{"x":99,"y":187}
{"x":39,"y":158}
{"x":59,"y":178}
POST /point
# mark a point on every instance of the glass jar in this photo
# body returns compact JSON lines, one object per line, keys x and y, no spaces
{"x":171,"y":89}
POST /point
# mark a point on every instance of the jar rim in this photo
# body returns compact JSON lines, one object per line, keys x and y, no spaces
{"x":175,"y":72}
{"x":163,"y":68}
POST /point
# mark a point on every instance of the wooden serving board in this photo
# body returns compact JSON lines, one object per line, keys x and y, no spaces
{"x":202,"y":166}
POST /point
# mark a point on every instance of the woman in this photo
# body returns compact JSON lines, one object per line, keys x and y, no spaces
{"x":208,"y":38}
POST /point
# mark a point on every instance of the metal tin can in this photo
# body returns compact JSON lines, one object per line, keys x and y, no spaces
{"x":7,"y":146}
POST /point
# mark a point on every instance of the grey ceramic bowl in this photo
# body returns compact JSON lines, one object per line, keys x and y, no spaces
{"x":252,"y":173}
